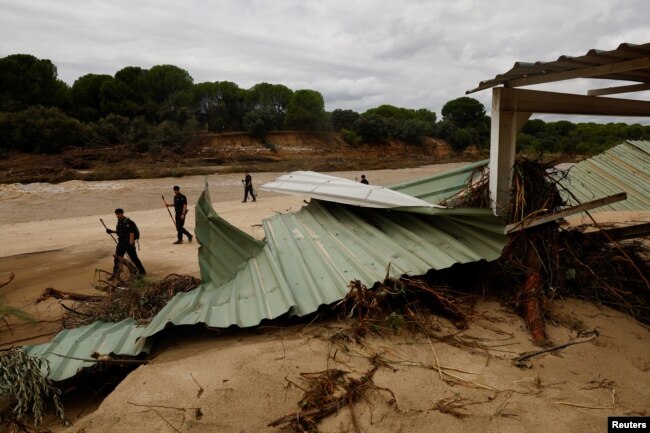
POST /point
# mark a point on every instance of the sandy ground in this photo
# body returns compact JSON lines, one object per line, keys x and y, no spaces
{"x":52,"y":237}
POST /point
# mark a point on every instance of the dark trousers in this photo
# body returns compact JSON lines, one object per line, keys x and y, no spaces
{"x":129,"y":249}
{"x":248,"y":189}
{"x":180,"y":222}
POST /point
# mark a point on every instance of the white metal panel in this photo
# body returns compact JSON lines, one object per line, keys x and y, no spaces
{"x":339,"y":190}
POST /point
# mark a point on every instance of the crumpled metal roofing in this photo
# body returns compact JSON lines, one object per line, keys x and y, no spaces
{"x":623,"y":168}
{"x":593,"y":58}
{"x":443,"y":186}
{"x":309,"y":257}
{"x":72,"y":349}
{"x":340,"y":190}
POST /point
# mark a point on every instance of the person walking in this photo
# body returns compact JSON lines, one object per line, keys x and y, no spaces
{"x":248,"y":187}
{"x":180,"y":210}
{"x":364,"y":180}
{"x":127,"y":234}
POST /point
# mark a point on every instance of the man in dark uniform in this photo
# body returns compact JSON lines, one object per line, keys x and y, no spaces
{"x":180,"y":208}
{"x":364,"y":180}
{"x":125,"y":230}
{"x":248,"y":187}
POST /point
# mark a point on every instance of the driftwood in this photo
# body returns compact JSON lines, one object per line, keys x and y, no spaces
{"x":9,"y":280}
{"x":58,"y":294}
{"x":546,"y":218}
{"x":532,"y":293}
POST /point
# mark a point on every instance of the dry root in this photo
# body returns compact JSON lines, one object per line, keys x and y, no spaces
{"x":327,"y":392}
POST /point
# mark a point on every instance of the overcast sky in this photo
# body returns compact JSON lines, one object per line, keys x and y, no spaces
{"x":358,"y":53}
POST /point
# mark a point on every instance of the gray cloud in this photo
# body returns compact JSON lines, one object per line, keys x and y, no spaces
{"x":358,"y":54}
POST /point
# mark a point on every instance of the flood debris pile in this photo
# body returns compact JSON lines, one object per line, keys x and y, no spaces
{"x":25,"y":392}
{"x":398,"y":303}
{"x":475,"y":193}
{"x":607,"y":272}
{"x":326,"y":393}
{"x":532,"y":259}
{"x":130,"y":297}
{"x":541,"y":261}
{"x":544,"y":261}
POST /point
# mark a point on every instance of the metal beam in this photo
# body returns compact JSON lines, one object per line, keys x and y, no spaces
{"x":596,"y":71}
{"x":535,"y":101}
{"x":619,"y":89}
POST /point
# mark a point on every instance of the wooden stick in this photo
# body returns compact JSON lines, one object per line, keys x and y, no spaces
{"x":535,"y":221}
{"x":524,"y":357}
{"x":168,"y":211}
{"x":110,"y":234}
{"x":58,"y":294}
{"x":613,"y":406}
{"x":436,"y":357}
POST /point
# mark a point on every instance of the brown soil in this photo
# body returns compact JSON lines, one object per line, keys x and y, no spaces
{"x":223,"y":153}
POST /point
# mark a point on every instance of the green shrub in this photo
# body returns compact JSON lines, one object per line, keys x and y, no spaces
{"x":372,"y":128}
{"x":112,"y":129}
{"x":350,"y":137}
{"x":41,"y":130}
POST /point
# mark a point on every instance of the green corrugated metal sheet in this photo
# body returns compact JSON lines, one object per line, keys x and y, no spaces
{"x":232,"y":247}
{"x":309,"y":257}
{"x":437,"y":188}
{"x":623,"y":168}
{"x":72,"y":349}
{"x":307,"y":260}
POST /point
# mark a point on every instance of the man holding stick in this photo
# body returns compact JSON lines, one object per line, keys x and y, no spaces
{"x":126,"y":236}
{"x":180,"y":208}
{"x":248,"y":187}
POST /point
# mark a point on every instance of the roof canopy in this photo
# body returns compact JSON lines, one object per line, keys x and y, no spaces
{"x":512,"y":107}
{"x":629,"y":62}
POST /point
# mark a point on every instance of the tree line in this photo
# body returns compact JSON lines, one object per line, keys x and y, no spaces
{"x":162,"y":107}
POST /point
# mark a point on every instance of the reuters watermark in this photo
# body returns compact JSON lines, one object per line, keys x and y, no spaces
{"x":628,"y":424}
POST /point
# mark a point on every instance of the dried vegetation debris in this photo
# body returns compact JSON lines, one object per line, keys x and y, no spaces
{"x":539,"y":264}
{"x":129,"y":296}
{"x":326,"y":393}
{"x":610,"y":273}
{"x":547,"y":261}
{"x":399,"y":303}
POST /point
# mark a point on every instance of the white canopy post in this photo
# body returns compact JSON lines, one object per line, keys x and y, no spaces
{"x":503,"y":141}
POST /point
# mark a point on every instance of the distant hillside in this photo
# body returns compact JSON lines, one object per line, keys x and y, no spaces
{"x":281,"y":151}
{"x":223,"y":153}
